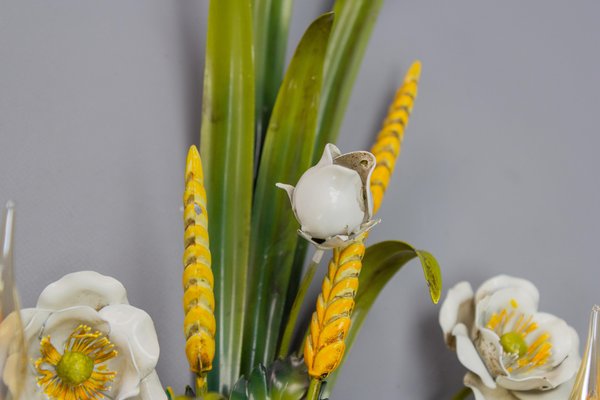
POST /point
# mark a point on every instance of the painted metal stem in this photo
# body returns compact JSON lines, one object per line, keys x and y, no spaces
{"x":284,"y":347}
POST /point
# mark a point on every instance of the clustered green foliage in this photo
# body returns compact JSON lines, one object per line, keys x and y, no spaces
{"x":261,"y":126}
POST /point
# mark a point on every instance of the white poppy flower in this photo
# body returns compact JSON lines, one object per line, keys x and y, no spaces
{"x":86,"y":342}
{"x":512,"y":350}
{"x":332,"y":200}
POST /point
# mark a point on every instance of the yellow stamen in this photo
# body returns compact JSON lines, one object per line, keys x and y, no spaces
{"x":77,"y":374}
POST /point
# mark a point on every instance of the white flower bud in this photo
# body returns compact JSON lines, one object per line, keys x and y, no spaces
{"x":332,"y":200}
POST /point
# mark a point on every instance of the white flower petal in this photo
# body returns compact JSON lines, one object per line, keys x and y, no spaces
{"x":560,"y":335}
{"x":330,"y":152}
{"x":85,"y":288}
{"x":505,"y":282}
{"x":525,"y":300}
{"x":457,"y":308}
{"x":490,"y":350}
{"x":133,"y":330}
{"x":151,"y":388}
{"x":469,"y":357}
{"x":542,"y":379}
{"x":482,"y":392}
{"x":560,"y":393}
{"x":60,"y":324}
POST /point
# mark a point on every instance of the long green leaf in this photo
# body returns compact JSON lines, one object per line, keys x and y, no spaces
{"x":227,"y":143}
{"x":271,"y":27}
{"x":287,"y":153}
{"x":352,"y":29}
{"x":354,"y":20}
{"x":380,"y":264}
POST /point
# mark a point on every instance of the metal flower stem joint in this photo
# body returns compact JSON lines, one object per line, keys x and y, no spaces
{"x":198,"y":281}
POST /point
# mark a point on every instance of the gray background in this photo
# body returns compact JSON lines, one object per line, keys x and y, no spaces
{"x":499,"y":171}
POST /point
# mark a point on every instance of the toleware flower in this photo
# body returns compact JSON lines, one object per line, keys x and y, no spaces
{"x":332,"y":200}
{"x":512,"y":350}
{"x":86,"y":342}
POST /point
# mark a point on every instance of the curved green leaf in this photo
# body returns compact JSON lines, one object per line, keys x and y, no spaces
{"x":286,"y":154}
{"x":283,"y":380}
{"x":354,"y":22}
{"x":380,"y":264}
{"x":271,"y":27}
{"x":226,"y":145}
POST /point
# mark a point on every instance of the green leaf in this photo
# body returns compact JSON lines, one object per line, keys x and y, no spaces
{"x":226,"y":145}
{"x":380,"y":264}
{"x":283,"y":380}
{"x":354,"y":23}
{"x":287,"y":153}
{"x":271,"y":27}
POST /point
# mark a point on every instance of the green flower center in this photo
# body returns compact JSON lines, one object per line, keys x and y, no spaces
{"x":514,"y":343}
{"x":75,"y":368}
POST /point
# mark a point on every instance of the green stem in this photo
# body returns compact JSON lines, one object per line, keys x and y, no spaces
{"x":201,"y":385}
{"x":284,"y":347}
{"x":464,"y":393}
{"x":314,"y":389}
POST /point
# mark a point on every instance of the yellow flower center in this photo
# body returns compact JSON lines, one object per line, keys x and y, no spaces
{"x":80,"y":372}
{"x":513,"y":327}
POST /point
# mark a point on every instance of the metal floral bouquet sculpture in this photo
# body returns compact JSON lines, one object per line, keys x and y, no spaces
{"x":244,"y":253}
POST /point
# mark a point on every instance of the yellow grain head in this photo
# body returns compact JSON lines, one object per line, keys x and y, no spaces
{"x":324,"y":347}
{"x":198,"y":282}
{"x":389,"y":140}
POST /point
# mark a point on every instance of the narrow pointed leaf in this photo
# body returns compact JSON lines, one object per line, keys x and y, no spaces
{"x":227,"y":141}
{"x":287,"y":152}
{"x":352,"y":29}
{"x":380,"y":264}
{"x":271,"y":27}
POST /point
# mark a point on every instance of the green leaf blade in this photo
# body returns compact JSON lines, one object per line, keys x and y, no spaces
{"x":271,"y":28}
{"x":227,"y":149}
{"x":380,"y":263}
{"x":287,"y":152}
{"x":352,"y":29}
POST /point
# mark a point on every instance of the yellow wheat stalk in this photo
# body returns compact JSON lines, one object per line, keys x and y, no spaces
{"x":389,"y":141}
{"x":325,"y":345}
{"x":198,"y":298}
{"x":330,"y":322}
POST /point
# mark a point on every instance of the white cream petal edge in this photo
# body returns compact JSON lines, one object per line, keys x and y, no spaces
{"x":560,"y":335}
{"x":133,"y":328}
{"x":85,"y":288}
{"x":456,"y":308}
{"x":482,"y":392}
{"x":469,"y":357}
{"x":504,"y":282}
{"x":151,"y":388}
{"x":560,"y":393}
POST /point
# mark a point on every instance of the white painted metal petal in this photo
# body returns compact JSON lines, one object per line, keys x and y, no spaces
{"x":483,"y":392}
{"x":469,"y":357}
{"x":132,"y":330}
{"x":151,"y":388}
{"x":457,"y":308}
{"x":504,"y":282}
{"x":85,"y":288}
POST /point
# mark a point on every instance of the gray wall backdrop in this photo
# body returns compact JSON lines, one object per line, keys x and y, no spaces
{"x":99,"y":101}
